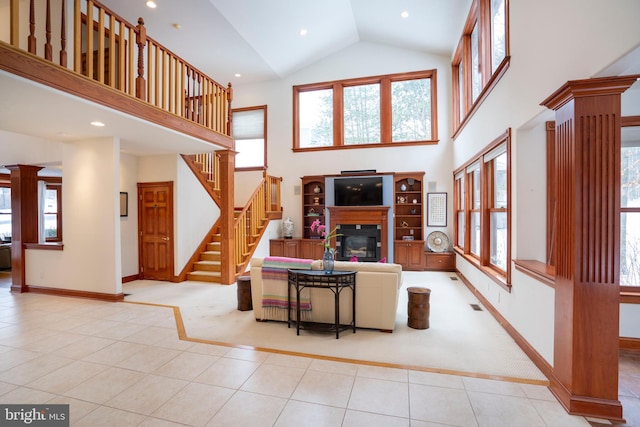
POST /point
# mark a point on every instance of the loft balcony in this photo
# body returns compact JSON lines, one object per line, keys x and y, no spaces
{"x":111,"y":63}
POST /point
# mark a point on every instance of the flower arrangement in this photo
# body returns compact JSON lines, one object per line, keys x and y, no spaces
{"x":321,"y":230}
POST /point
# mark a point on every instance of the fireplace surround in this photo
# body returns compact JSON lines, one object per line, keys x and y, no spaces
{"x":362,"y":224}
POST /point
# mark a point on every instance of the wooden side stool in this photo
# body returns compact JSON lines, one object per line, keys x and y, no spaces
{"x":418,"y":308}
{"x":244,"y":293}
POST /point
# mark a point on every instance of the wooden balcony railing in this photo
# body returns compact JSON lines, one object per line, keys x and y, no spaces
{"x":122,"y":56}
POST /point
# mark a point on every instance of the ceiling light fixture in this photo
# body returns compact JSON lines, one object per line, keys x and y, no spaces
{"x":151,"y":4}
{"x":238,"y":75}
{"x":97,"y":124}
{"x":303,"y":32}
{"x":177,"y":26}
{"x":404,"y":14}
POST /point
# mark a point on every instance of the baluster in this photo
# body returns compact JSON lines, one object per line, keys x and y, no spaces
{"x":141,"y":40}
{"x":63,"y":35}
{"x":48,"y":52}
{"x":187,"y":103}
{"x":199,"y":99}
{"x":32,"y":28}
{"x":229,"y":115}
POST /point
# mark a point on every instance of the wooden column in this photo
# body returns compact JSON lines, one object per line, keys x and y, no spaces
{"x":24,"y":219}
{"x":587,"y":245}
{"x":227,"y":245}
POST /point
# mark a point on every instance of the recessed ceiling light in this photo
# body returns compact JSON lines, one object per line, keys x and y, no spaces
{"x":238,"y":75}
{"x":177,"y":26}
{"x":404,"y":14}
{"x":303,"y":32}
{"x":97,"y":124}
{"x":151,"y":4}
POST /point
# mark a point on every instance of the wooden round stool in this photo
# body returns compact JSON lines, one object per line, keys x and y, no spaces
{"x":418,"y":308}
{"x":244,"y":293}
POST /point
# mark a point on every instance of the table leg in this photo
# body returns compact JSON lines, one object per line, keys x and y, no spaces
{"x":297,"y":309}
{"x":337,"y":311}
{"x":353,"y":307}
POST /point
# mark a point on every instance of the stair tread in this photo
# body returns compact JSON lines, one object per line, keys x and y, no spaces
{"x":205,"y":273}
{"x":209,"y":262}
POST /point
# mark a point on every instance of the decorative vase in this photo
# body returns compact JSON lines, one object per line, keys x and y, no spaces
{"x":327,"y":260}
{"x":317,"y":189}
{"x":287,"y":228}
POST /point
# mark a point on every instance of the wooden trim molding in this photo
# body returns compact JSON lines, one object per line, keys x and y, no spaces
{"x":53,"y":246}
{"x":74,"y":293}
{"x":540,"y":271}
{"x":632,"y":344}
{"x":531,"y":352}
{"x":133,"y":277}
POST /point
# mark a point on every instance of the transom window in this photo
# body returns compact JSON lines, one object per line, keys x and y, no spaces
{"x":370,"y":111}
{"x":481,"y":58}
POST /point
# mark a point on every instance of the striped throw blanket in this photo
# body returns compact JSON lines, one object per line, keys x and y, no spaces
{"x":274,"y":289}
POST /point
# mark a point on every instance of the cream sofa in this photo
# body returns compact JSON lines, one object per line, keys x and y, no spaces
{"x":377,"y":290}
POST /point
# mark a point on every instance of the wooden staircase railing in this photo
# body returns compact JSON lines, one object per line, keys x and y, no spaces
{"x":121,"y":56}
{"x":249,"y":222}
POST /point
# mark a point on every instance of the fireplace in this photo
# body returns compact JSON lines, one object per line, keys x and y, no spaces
{"x":366,"y":228}
{"x":359,"y":240}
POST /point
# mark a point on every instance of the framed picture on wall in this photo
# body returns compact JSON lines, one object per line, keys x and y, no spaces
{"x":436,"y":209}
{"x":124,"y":204}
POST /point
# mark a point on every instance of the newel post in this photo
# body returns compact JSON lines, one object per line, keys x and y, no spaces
{"x":229,"y":112}
{"x":141,"y":41}
{"x":587,"y":242}
{"x":227,"y":230}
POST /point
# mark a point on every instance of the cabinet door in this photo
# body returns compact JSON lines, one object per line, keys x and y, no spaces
{"x":276,"y":247}
{"x":291,"y":248}
{"x":311,"y":249}
{"x":408,"y":254}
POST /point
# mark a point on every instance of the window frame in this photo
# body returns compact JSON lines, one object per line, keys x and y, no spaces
{"x":58,"y":188}
{"x":386,"y":109}
{"x":479,"y":16}
{"x":483,"y":162}
{"x":7,"y":185}
{"x":635,"y":290}
{"x":264,"y":136}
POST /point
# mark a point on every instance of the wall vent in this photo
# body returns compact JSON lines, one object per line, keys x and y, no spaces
{"x":476,"y":307}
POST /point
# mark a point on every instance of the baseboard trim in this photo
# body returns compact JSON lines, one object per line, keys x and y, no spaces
{"x":131,"y":278}
{"x":74,"y":293}
{"x":535,"y":357}
{"x":574,"y":404}
{"x":632,"y":344}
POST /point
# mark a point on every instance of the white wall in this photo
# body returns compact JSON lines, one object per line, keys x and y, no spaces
{"x":359,"y":60}
{"x":194,"y":211}
{"x":129,"y":224}
{"x":551,"y":42}
{"x":91,"y":259}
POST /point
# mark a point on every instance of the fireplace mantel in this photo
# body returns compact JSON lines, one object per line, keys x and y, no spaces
{"x":378,"y":215}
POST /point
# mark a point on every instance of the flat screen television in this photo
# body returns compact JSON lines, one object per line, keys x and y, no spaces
{"x":358,"y":191}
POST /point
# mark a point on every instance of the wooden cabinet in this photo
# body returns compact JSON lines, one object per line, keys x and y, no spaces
{"x":311,"y":248}
{"x":440,"y":261}
{"x":296,"y":248}
{"x":409,"y":254}
{"x":408,"y":220}
{"x":313,"y":203}
{"x":284,"y":247}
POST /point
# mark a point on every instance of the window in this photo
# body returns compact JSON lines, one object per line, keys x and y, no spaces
{"x":370,"y":111}
{"x":250,"y":134}
{"x":459,"y":204}
{"x":630,"y":208}
{"x":52,"y":212}
{"x":5,"y":211}
{"x":481,"y":58}
{"x":482,"y":190}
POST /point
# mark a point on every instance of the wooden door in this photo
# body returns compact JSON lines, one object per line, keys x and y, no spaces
{"x":155,"y":223}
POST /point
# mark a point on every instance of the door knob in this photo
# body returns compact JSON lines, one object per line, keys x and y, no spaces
{"x":165,"y":238}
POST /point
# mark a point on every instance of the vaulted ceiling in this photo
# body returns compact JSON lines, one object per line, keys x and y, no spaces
{"x":260,"y":39}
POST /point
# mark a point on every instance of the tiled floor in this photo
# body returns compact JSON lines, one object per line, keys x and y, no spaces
{"x":121,"y":364}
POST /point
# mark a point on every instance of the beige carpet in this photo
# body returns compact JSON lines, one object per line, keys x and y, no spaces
{"x":459,"y":340}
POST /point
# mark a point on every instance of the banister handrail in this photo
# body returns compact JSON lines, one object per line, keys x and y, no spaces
{"x":119,"y":54}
